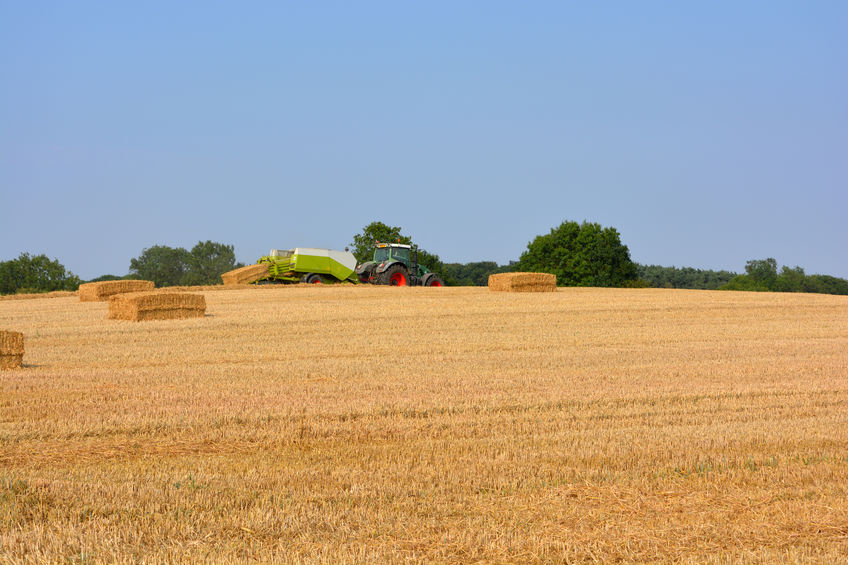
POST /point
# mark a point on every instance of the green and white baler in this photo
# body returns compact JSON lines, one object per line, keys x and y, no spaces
{"x":309,"y":265}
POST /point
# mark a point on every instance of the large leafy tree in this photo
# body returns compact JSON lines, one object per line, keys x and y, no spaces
{"x":580,"y":255}
{"x":169,"y":266}
{"x":161,"y":264}
{"x":763,"y":272}
{"x":207,"y":261}
{"x":364,"y":242}
{"x":35,"y":273}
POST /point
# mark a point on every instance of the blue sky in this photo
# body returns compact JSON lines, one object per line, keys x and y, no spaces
{"x":707,"y":133}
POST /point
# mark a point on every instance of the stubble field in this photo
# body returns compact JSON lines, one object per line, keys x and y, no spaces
{"x":355,"y":424}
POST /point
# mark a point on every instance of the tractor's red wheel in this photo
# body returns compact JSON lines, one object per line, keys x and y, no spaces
{"x":395,"y":276}
{"x":432,"y":279}
{"x":313,"y":278}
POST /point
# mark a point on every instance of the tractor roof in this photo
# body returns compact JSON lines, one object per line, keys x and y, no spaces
{"x":394,"y":245}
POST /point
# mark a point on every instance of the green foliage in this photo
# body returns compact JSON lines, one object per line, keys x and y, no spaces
{"x":744,"y":282}
{"x":791,"y":280}
{"x":363,"y":243}
{"x":363,"y":247}
{"x":35,"y":274}
{"x":161,"y":264}
{"x":763,"y":272}
{"x":474,"y":274}
{"x":580,"y":255}
{"x":104,"y":278}
{"x":168,"y":266}
{"x":207,"y":261}
{"x":762,"y":276}
{"x":684,"y":277}
{"x":827,"y":284}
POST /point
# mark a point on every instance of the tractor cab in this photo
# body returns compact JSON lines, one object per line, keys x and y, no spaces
{"x":386,"y":252}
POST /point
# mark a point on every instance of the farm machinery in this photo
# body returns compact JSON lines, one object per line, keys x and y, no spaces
{"x":309,"y":265}
{"x":391,"y":264}
{"x":396,"y":264}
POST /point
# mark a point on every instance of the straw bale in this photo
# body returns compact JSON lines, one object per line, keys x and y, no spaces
{"x":11,"y":349}
{"x":140,"y":306}
{"x":247,"y":274}
{"x":101,"y":291}
{"x":522,"y":282}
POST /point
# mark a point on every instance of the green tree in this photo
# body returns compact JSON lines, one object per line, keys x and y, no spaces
{"x":683,"y":277}
{"x":161,"y":264}
{"x":207,"y":261}
{"x":474,"y":273}
{"x":791,"y":280}
{"x":763,"y":272}
{"x":580,"y":255}
{"x":363,"y":243}
{"x":826,"y":284}
{"x":35,"y":273}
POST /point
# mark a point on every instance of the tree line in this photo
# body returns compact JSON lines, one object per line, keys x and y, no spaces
{"x":579,"y":254}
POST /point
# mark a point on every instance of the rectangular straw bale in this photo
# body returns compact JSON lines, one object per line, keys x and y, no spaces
{"x":247,"y":274}
{"x":11,"y":349}
{"x":522,"y":282}
{"x":140,"y":306}
{"x":101,"y":291}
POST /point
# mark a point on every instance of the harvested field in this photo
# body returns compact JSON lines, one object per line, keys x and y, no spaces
{"x":11,"y":349}
{"x":27,"y":296}
{"x":102,"y":291}
{"x":522,"y":282}
{"x":302,"y":424}
{"x":246,"y":274}
{"x":141,"y":306}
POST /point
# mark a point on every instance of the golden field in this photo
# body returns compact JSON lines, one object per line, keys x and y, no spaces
{"x":358,"y":424}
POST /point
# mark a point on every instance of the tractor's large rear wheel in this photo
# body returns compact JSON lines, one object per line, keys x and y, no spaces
{"x":396,"y":275}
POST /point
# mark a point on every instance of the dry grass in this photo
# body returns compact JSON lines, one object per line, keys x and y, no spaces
{"x":246,"y":274}
{"x":522,"y":282}
{"x":302,"y":424}
{"x":144,"y":306}
{"x":27,"y":296}
{"x":102,"y":291}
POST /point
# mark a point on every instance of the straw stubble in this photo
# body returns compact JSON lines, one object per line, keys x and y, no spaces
{"x":305,"y":425}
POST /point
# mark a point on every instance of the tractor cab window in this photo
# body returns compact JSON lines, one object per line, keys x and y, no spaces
{"x":401,"y":253}
{"x":381,"y":254}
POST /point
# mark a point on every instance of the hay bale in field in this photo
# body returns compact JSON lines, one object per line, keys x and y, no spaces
{"x":11,"y":349}
{"x":141,"y":306}
{"x":101,"y":291}
{"x":247,"y":274}
{"x":523,"y":282}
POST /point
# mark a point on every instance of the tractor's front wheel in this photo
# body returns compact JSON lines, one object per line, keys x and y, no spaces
{"x":432,"y":279}
{"x":395,"y":275}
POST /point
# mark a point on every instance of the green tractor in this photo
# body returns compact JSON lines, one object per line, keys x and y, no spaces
{"x":396,"y":264}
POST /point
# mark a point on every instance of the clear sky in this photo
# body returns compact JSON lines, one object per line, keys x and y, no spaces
{"x":707,"y":133}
